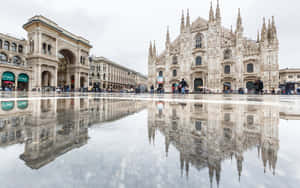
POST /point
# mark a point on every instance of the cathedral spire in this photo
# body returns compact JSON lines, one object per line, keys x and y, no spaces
{"x":257,"y":36}
{"x":264,"y":34}
{"x":270,"y":34}
{"x":168,"y":38}
{"x":154,"y":50}
{"x":188,"y":24}
{"x":239,"y":26}
{"x":274,"y":30}
{"x":182,"y":26}
{"x":218,"y":12}
{"x":150,"y":49}
{"x":211,"y":13}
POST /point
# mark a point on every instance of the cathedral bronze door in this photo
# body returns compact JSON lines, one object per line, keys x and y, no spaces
{"x":198,"y":85}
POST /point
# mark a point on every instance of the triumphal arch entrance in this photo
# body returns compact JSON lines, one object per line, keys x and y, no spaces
{"x":58,"y":58}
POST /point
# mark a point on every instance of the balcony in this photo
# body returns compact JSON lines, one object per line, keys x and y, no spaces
{"x":228,"y":75}
{"x":174,"y":66}
{"x":200,"y":68}
{"x":228,"y":62}
{"x":199,"y":50}
{"x":250,"y":74}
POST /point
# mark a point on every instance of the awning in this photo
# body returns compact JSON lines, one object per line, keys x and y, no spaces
{"x":22,"y":104}
{"x":7,"y":105}
{"x":23,"y":78}
{"x":8,"y":76}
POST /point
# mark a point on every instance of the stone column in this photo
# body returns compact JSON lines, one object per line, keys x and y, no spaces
{"x":77,"y":80}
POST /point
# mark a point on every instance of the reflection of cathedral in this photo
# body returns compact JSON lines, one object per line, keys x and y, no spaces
{"x":207,"y":134}
{"x":49,"y":128}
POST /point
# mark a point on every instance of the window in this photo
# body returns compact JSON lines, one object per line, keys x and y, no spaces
{"x":298,"y":76}
{"x":3,"y":58}
{"x":227,"y":69}
{"x":6,"y":45}
{"x":160,"y":73}
{"x":31,"y":44}
{"x":199,"y":41}
{"x":82,"y":61}
{"x":14,"y":47}
{"x":198,"y":125}
{"x":199,"y":60}
{"x":227,"y":117}
{"x":175,"y":60}
{"x":291,"y":76}
{"x":49,"y":49}
{"x":250,"y":120}
{"x":44,"y":48}
{"x":250,"y":68}
{"x":16,"y":60}
{"x":20,"y":49}
{"x":174,"y":73}
{"x":104,"y":76}
{"x":227,"y":54}
{"x":0,"y":43}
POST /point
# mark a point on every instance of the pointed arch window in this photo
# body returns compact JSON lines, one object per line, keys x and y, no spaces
{"x":174,"y":73}
{"x":199,"y":41}
{"x":227,"y":54}
{"x":161,"y":74}
{"x":198,"y":60}
{"x":250,"y":68}
{"x":227,"y":69}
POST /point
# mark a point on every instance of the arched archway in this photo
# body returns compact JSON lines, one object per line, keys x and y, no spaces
{"x":198,"y":85}
{"x":66,"y":58}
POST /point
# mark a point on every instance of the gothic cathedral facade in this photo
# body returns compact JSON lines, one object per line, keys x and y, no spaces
{"x":209,"y":56}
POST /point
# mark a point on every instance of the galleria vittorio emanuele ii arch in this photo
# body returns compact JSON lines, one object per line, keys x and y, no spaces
{"x":58,"y":58}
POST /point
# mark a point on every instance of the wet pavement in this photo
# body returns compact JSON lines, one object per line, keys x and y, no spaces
{"x":125,"y":140}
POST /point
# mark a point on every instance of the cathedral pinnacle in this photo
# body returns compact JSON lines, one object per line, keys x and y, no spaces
{"x":257,"y":37}
{"x":211,"y":13}
{"x":182,"y":26}
{"x":150,"y":49}
{"x":188,"y":19}
{"x":218,"y":12}
{"x":154,"y":50}
{"x":167,"y":37}
{"x":239,"y":26}
{"x":274,"y":30}
{"x":264,"y":30}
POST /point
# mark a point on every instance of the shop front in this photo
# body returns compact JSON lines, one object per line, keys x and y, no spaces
{"x":8,"y":81}
{"x":23,"y":81}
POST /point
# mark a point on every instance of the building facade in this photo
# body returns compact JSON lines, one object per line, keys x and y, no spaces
{"x":207,"y":55}
{"x":289,"y":75}
{"x":108,"y":75}
{"x":51,"y":57}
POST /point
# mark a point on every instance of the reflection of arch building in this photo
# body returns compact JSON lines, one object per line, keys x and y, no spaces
{"x":51,"y":57}
{"x":207,"y":134}
{"x":50,"y":128}
{"x":220,"y":57}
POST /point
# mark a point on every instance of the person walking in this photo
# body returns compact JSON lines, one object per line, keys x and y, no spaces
{"x":152,"y":89}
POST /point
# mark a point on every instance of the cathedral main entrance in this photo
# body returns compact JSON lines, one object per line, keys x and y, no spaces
{"x":198,"y":85}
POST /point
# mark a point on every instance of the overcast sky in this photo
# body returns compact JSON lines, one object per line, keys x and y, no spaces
{"x":121,"y":29}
